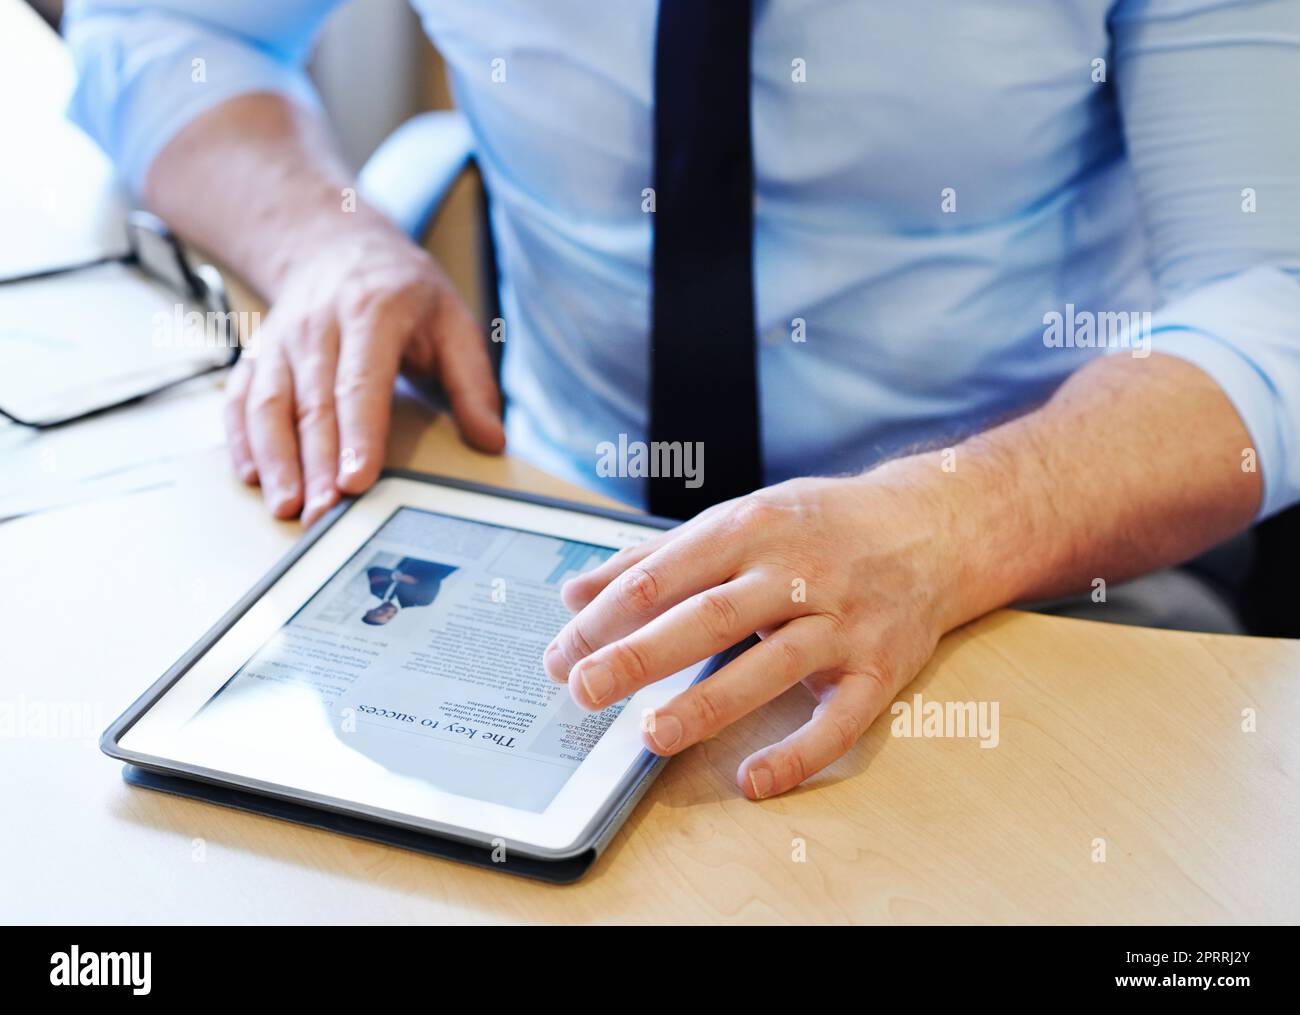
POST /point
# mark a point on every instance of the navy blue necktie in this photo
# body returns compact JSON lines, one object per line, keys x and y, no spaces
{"x":703,"y":370}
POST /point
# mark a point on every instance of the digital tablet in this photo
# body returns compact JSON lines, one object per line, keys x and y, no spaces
{"x":386,"y":679}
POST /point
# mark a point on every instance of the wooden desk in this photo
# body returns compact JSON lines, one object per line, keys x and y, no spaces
{"x":1125,"y":735}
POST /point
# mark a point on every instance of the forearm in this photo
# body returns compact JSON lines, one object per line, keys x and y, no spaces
{"x":1132,"y":465}
{"x":257,"y":181}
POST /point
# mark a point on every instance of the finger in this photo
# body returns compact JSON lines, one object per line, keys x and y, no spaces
{"x":467,"y":375}
{"x":695,"y":629}
{"x":363,"y":398}
{"x":580,"y":590}
{"x":236,"y":399}
{"x":270,"y":422}
{"x":836,"y":725}
{"x":759,"y":674}
{"x":697,"y":559}
{"x":314,"y":370}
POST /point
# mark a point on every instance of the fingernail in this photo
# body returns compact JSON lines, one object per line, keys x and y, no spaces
{"x":277,"y":499}
{"x":349,"y":462}
{"x":553,"y":664}
{"x":665,"y":731}
{"x":317,"y":505}
{"x":761,"y":780}
{"x":247,"y":473}
{"x":597,"y":681}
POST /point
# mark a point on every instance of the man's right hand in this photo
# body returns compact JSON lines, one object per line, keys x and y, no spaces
{"x":353,"y":301}
{"x":308,"y":405}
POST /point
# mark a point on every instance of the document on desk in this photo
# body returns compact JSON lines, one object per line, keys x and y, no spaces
{"x":76,"y":341}
{"x":67,"y":339}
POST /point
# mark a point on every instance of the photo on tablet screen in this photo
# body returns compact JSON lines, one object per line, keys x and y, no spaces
{"x":422,"y":654}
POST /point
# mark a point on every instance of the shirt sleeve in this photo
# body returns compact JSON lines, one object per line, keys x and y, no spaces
{"x":145,"y":68}
{"x":1207,"y":92}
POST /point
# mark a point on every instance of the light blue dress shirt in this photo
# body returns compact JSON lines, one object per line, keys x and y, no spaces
{"x":939,"y":185}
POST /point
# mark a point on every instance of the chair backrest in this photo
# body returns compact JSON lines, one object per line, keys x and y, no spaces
{"x":410,"y":174}
{"x":1269,"y":599}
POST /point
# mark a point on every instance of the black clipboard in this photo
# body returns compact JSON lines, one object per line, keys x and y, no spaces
{"x":212,"y":787}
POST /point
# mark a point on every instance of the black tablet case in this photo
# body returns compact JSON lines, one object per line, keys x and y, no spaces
{"x":562,"y":871}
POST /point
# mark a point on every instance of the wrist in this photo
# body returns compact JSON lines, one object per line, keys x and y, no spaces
{"x":968,"y":528}
{"x":319,"y":229}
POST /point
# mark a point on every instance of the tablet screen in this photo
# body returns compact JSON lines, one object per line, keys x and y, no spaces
{"x":394,"y":670}
{"x":423,"y":652}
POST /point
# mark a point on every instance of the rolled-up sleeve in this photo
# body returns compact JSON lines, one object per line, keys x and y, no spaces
{"x":1207,"y":92}
{"x":145,"y":68}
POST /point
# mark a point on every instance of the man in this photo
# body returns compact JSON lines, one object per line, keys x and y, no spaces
{"x":412,"y":583}
{"x":820,"y":241}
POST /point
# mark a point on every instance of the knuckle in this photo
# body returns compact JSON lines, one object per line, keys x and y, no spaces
{"x":719,"y":614}
{"x":790,"y":660}
{"x":753,"y":513}
{"x":879,"y":671}
{"x":269,"y":400}
{"x":710,"y":711}
{"x":630,"y":662}
{"x":846,"y":728}
{"x":314,"y":410}
{"x":579,"y":645}
{"x":639,"y":590}
{"x":364,"y":302}
{"x":309,"y":328}
{"x":836,"y":636}
{"x":792,"y":769}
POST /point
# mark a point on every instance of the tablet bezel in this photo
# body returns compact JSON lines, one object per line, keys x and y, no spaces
{"x":577,"y":817}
